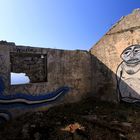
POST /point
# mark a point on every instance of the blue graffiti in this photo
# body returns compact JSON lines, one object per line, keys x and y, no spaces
{"x":5,"y":116}
{"x":1,"y":85}
{"x":24,"y":101}
{"x":30,"y":99}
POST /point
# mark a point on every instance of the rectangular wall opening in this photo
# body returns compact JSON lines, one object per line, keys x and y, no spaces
{"x":28,"y":68}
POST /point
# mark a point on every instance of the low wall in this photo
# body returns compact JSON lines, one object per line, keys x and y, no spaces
{"x":56,"y":76}
{"x":109,"y":71}
{"x":118,"y":68}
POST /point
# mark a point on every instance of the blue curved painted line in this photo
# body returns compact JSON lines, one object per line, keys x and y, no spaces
{"x":5,"y":115}
{"x":43,"y":96}
{"x":23,"y":105}
{"x":25,"y":99}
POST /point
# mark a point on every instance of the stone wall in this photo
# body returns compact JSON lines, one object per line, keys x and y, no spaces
{"x":56,"y":76}
{"x":64,"y":68}
{"x":109,"y":71}
{"x":118,"y":54}
{"x":34,"y":66}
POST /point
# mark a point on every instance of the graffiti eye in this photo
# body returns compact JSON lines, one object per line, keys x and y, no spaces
{"x":136,"y":51}
{"x":127,"y":52}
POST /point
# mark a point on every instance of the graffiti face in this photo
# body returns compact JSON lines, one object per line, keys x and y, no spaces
{"x":131,"y":55}
{"x":128,"y":74}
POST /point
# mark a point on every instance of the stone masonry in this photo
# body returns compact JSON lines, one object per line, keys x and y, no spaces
{"x":109,"y":71}
{"x":120,"y":45}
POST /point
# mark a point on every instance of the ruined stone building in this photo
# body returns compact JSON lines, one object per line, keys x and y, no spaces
{"x":109,"y":71}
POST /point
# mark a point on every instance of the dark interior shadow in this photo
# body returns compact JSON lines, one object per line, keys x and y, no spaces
{"x":107,"y":85}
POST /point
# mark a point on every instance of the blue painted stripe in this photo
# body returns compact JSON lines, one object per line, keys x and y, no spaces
{"x":35,"y":98}
{"x":24,"y":101}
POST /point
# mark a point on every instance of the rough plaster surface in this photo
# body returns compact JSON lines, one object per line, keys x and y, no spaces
{"x":64,"y":68}
{"x":108,"y":50}
{"x":33,"y":65}
{"x":82,"y":71}
{"x":68,"y":78}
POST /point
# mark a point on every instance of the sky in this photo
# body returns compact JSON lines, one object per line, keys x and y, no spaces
{"x":19,"y":78}
{"x":62,"y":24}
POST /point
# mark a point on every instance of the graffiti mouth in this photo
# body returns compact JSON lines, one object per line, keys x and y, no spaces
{"x":133,"y":61}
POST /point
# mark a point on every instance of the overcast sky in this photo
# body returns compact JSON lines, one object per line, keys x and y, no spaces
{"x":64,"y":24}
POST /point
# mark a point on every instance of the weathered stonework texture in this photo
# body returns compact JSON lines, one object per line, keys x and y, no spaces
{"x":109,"y":71}
{"x":108,"y":51}
{"x":60,"y":68}
{"x":56,"y":76}
{"x":33,"y":65}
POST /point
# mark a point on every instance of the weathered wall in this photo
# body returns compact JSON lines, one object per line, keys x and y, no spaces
{"x":64,"y":68}
{"x":67,"y":75}
{"x":34,"y":65}
{"x":118,"y":52}
{"x":110,"y":71}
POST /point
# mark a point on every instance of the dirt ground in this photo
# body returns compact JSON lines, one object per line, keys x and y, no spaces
{"x":89,"y":119}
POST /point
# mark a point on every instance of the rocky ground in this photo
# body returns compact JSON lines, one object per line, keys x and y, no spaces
{"x":87,"y":120}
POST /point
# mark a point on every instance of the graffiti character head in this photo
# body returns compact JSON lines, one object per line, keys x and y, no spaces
{"x":131,"y":55}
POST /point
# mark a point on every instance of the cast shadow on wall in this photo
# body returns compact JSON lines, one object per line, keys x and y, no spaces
{"x":122,"y":85}
{"x":107,"y":85}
